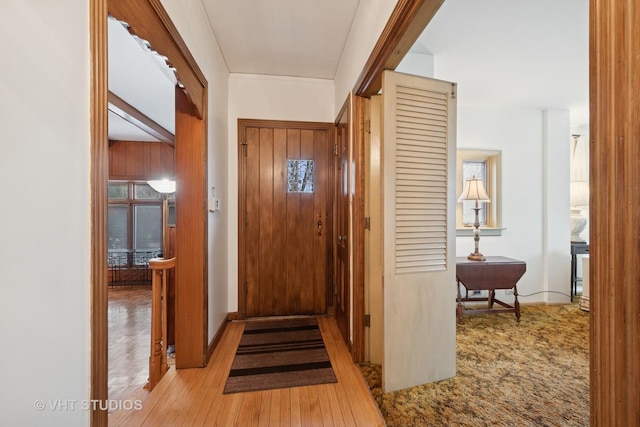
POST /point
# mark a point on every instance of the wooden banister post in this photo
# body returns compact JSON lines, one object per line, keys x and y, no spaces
{"x":158,"y":350}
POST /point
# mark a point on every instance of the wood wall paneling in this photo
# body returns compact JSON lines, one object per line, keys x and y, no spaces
{"x":614,"y":213}
{"x":135,"y":160}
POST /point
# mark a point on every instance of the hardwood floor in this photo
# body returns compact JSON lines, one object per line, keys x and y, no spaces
{"x":193,"y":397}
{"x":129,"y":320}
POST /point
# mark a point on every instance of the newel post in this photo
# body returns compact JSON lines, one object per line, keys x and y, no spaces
{"x":158,"y":350}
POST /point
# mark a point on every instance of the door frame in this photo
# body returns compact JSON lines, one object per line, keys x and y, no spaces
{"x":386,"y":50}
{"x":243,"y":124}
{"x":344,"y":139}
{"x":149,"y":20}
{"x":407,"y":21}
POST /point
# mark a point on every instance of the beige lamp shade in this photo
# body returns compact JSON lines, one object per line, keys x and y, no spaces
{"x":474,"y":190}
{"x":579,"y":193}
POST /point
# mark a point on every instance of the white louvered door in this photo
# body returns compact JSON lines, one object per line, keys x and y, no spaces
{"x":419,"y":230}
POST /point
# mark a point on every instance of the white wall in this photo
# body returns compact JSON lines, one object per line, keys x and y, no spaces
{"x":45,"y":180}
{"x":191,"y":21}
{"x":370,"y":19}
{"x":273,"y":98}
{"x":556,"y":239}
{"x":535,"y":192}
{"x":535,"y":185}
{"x":44,"y":211}
{"x":417,"y":63}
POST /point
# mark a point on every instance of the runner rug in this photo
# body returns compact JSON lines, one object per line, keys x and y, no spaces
{"x":279,"y":354}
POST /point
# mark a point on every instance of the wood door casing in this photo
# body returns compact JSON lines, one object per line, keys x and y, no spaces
{"x":342,"y":257}
{"x":284,"y":236}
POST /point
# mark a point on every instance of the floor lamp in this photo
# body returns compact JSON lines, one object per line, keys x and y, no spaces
{"x":164,"y":187}
{"x":474,"y":190}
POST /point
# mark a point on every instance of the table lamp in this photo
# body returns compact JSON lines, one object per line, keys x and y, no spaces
{"x":474,"y":190}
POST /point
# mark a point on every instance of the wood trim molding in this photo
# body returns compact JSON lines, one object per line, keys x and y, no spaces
{"x":217,"y":337}
{"x":407,"y":21}
{"x":191,"y":236}
{"x":235,"y":315}
{"x":178,"y":40}
{"x":281,"y":124}
{"x":148,"y":20}
{"x":242,"y":208}
{"x":358,"y":122}
{"x":99,"y":179}
{"x":131,"y":114}
{"x":614,"y":270}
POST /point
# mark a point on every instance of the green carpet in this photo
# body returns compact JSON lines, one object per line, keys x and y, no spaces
{"x":535,"y":373}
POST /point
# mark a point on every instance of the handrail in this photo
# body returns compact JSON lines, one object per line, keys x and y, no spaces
{"x":158,"y":350}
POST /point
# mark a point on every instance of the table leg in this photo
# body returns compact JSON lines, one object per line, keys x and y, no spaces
{"x":492,"y":298}
{"x":516,"y":303}
{"x":574,"y":273}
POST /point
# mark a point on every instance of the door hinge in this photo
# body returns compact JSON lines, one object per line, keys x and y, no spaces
{"x":367,"y":126}
{"x":335,"y":149}
{"x":367,"y":320}
{"x":367,"y":223}
{"x":244,"y":146}
{"x":453,"y":91}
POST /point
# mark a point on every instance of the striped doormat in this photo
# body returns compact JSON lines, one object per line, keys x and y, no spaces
{"x":279,"y":354}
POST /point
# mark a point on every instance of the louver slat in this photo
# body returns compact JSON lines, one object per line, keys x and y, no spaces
{"x":421,"y":181}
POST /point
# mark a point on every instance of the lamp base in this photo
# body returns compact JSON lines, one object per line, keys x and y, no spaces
{"x":577,"y":224}
{"x":476,"y":256}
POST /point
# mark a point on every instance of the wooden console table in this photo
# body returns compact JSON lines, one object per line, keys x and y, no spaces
{"x":496,"y":272}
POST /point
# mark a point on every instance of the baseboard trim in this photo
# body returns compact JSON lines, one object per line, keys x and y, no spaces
{"x":236,"y":315}
{"x":216,"y":338}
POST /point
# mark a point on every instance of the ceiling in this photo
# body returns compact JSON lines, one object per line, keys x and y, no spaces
{"x":506,"y":53}
{"x":296,"y":38}
{"x":502,"y":53}
{"x":141,"y":78}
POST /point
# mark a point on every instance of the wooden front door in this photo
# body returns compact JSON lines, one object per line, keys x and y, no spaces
{"x":285,"y":219}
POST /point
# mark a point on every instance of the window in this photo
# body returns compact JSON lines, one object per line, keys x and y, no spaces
{"x":147,"y":226}
{"x":134,"y":217}
{"x":117,"y":226}
{"x":486,"y":165}
{"x":300,"y":176}
{"x":474,"y":169}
